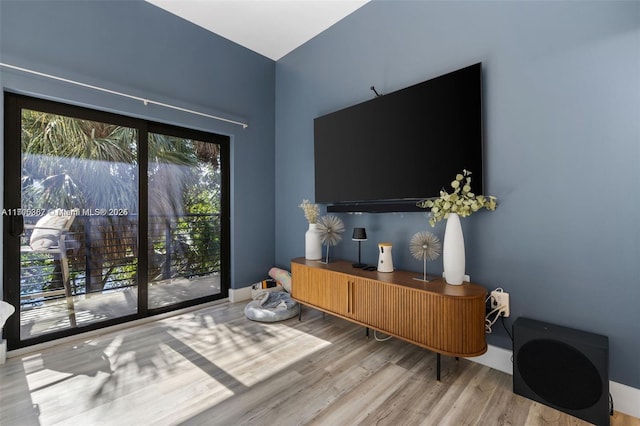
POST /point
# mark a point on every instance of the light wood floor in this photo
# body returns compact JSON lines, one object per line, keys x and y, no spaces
{"x":214,"y":367}
{"x":53,"y":315}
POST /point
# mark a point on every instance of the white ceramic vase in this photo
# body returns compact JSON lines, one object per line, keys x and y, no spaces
{"x":312,"y":243}
{"x":453,"y":251}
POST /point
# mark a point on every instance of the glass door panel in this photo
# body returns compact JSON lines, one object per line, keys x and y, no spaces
{"x":79,"y":203}
{"x":83,"y":191}
{"x":184,"y":181}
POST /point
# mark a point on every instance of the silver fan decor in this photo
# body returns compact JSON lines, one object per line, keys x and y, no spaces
{"x":330,"y":228}
{"x":425,"y":246}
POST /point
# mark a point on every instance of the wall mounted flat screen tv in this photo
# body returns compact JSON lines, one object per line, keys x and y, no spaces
{"x":387,"y":153}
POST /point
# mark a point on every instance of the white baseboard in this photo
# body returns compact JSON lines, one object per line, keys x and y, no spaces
{"x":3,"y":351}
{"x":239,"y":294}
{"x":626,"y":399}
{"x":496,"y":358}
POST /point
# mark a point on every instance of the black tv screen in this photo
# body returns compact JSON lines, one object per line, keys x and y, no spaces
{"x":401,"y":147}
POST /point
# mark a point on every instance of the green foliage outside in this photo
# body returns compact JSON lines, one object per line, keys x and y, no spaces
{"x":72,"y":163}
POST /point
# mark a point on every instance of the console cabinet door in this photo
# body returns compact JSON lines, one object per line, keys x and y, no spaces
{"x":448,"y":325}
{"x":326,"y":290}
{"x":415,"y":315}
{"x":300,"y":288}
{"x":365,"y":301}
{"x":334,"y":292}
{"x":395,"y":309}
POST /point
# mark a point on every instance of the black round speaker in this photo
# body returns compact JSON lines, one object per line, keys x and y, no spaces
{"x":562,"y":367}
{"x":559,"y":373}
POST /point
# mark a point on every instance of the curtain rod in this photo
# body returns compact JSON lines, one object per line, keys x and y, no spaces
{"x":113,"y":92}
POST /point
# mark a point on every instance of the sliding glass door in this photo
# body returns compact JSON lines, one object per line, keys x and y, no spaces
{"x":78,"y":257}
{"x":185,"y":201}
{"x":107,"y":218}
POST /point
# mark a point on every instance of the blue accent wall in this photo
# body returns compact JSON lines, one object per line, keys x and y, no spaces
{"x":562,"y":131}
{"x":562,"y":149}
{"x":139,"y":49}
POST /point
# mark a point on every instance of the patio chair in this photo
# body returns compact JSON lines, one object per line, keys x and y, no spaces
{"x":48,"y":237}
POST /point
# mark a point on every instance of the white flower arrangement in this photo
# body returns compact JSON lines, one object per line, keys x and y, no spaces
{"x":311,"y":211}
{"x":461,"y":201}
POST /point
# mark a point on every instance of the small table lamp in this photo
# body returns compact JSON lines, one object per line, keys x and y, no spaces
{"x":359,"y":235}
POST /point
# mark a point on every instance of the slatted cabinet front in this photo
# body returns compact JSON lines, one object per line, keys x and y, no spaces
{"x":432,"y":315}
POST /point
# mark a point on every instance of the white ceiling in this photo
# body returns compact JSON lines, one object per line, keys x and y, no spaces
{"x":272,"y":28}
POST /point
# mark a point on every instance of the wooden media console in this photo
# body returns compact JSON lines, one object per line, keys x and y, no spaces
{"x":446,"y":319}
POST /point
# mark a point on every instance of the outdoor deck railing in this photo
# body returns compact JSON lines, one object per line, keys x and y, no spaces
{"x":103,"y":254}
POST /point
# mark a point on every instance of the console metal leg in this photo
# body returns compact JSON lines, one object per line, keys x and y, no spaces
{"x":437,"y":366}
{"x":300,"y":312}
{"x":367,"y":331}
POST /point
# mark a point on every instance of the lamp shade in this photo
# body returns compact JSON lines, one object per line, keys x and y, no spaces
{"x":359,"y":234}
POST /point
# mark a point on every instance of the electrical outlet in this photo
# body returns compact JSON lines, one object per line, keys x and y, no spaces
{"x":500,"y":298}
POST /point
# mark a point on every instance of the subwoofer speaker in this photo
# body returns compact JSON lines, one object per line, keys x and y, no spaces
{"x":563,"y":368}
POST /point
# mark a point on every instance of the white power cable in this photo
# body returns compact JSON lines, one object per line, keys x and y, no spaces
{"x":378,"y":339}
{"x":488,"y":321}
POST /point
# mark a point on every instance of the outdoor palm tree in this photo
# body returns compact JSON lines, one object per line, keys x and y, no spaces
{"x":72,"y":163}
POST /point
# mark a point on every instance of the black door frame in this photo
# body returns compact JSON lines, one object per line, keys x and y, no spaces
{"x":14,"y":103}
